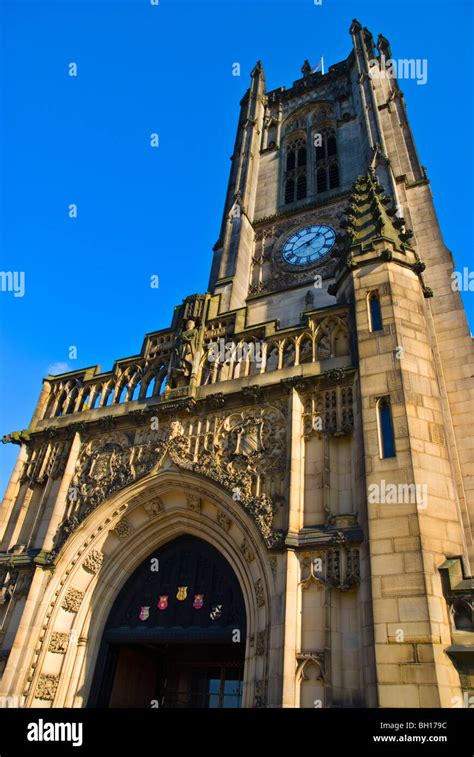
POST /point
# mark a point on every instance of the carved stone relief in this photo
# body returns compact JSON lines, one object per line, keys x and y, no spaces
{"x":154,"y":507}
{"x":93,"y":561}
{"x":72,"y":600}
{"x":242,"y":449}
{"x":14,"y":583}
{"x":259,"y":700}
{"x":194,"y":502}
{"x":46,"y":687}
{"x":123,"y":528}
{"x":261,"y":643}
{"x":58,"y":642}
{"x":247,"y":551}
{"x":8,"y":580}
{"x":259,"y":593}
{"x":223,"y":520}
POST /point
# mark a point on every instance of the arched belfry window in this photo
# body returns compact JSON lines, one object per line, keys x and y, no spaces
{"x":322,"y":180}
{"x":385,"y":428}
{"x":295,"y":181}
{"x":375,"y":312}
{"x":327,"y":166}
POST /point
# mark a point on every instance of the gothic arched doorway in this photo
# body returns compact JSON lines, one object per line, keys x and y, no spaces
{"x":175,"y":636}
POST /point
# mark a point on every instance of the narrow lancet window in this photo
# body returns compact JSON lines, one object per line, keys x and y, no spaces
{"x":385,"y":428}
{"x":375,"y":312}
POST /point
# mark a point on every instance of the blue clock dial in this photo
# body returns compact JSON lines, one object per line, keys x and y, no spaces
{"x":308,"y":245}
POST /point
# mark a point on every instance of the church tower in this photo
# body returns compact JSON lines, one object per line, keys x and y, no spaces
{"x":280,"y":483}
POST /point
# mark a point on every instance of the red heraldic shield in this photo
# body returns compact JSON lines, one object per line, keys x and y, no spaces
{"x":163,"y":602}
{"x":198,"y":601}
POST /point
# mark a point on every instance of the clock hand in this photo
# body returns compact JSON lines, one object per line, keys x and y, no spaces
{"x":310,"y":243}
{"x":304,"y":244}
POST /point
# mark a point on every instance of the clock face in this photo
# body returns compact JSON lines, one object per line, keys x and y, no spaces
{"x":308,"y":245}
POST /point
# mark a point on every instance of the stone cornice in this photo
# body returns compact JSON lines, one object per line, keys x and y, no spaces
{"x":26,"y":560}
{"x":324,"y":537}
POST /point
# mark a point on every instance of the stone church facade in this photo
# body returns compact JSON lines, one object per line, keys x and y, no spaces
{"x":279,"y":487}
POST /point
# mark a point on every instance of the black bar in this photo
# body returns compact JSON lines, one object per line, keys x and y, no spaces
{"x":150,"y":731}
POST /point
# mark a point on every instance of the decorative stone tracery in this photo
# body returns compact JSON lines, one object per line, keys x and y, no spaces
{"x":337,"y":566}
{"x":329,"y":412}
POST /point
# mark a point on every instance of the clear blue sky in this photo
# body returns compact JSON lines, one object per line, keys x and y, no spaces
{"x":144,"y":211}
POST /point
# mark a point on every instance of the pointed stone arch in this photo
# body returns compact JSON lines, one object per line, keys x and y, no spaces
{"x":310,"y":680}
{"x":114,"y":539}
{"x":304,"y":348}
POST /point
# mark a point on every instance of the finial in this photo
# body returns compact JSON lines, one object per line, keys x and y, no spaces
{"x":306,"y":68}
{"x":383,"y":45}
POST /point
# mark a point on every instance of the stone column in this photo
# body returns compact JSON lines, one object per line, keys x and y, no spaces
{"x":59,"y":506}
{"x":11,"y":493}
{"x":292,"y":629}
{"x":41,"y":404}
{"x":297,"y":464}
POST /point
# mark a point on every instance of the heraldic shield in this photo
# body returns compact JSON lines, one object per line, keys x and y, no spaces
{"x":178,"y":622}
{"x":163,"y":602}
{"x":193,"y":580}
{"x":249,"y":437}
{"x":198,"y":601}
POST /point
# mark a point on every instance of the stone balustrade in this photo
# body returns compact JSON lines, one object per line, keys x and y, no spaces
{"x":220,"y":358}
